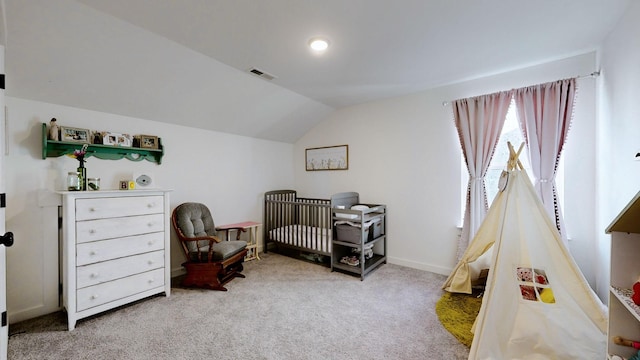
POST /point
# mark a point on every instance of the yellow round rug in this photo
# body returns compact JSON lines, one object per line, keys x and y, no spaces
{"x":457,"y":312}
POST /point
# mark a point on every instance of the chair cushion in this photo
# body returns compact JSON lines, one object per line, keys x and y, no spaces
{"x":221,"y":251}
{"x":194,"y":219}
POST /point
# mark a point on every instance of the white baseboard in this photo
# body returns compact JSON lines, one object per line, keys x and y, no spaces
{"x":30,"y":313}
{"x":175,"y":272}
{"x":420,"y":266}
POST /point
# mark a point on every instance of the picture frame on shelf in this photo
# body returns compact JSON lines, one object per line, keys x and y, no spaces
{"x":148,"y":142}
{"x":117,"y":139}
{"x":72,"y":134}
{"x":109,"y":138}
{"x":125,"y":140}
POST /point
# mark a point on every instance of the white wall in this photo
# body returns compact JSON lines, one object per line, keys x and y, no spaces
{"x":618,"y":132}
{"x":229,"y":173}
{"x":404,"y":152}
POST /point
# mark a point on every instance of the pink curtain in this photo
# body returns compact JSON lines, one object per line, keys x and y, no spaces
{"x":479,"y":122}
{"x":545,"y":113}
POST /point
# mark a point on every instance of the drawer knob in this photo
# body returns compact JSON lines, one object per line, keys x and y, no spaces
{"x":150,"y":205}
{"x":93,"y":297}
{"x":150,"y":262}
{"x":93,"y":252}
{"x":150,"y":242}
{"x":93,"y":275}
{"x":151,"y":281}
{"x":150,"y":224}
{"x":92,"y":231}
{"x":92,"y":209}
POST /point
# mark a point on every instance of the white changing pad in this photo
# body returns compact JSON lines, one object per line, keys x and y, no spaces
{"x":358,"y":224}
{"x":360,"y":207}
{"x":347,"y":216}
{"x":353,"y":216}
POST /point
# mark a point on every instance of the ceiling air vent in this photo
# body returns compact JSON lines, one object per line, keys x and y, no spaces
{"x":262,"y":74}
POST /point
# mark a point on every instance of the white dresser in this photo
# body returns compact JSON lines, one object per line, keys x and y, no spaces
{"x":115,"y":249}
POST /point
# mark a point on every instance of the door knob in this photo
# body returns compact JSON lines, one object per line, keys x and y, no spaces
{"x":7,"y":239}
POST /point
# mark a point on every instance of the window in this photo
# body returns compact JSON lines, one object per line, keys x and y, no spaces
{"x":510,"y":133}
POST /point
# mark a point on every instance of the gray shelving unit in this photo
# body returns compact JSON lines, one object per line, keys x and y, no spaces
{"x":377,"y":214}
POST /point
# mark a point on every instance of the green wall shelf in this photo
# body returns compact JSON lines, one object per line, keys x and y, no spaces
{"x":51,"y":148}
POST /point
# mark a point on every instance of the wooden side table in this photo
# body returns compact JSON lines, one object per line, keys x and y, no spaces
{"x":252,"y":228}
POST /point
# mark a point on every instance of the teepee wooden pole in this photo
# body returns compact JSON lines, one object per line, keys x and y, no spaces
{"x":514,"y":157}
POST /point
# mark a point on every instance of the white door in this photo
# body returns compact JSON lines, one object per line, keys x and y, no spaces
{"x":5,"y":239}
{"x":4,"y":330}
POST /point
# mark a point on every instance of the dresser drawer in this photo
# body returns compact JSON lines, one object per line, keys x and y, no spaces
{"x":87,"y":209}
{"x":103,"y":250}
{"x":93,"y":230}
{"x":113,"y":290}
{"x":101,"y":272}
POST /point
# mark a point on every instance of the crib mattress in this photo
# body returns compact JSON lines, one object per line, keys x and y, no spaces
{"x":304,"y":236}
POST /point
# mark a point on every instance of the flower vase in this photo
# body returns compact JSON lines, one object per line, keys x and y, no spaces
{"x":82,"y":174}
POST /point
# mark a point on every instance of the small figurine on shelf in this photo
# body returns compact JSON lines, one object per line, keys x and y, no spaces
{"x":619,"y":340}
{"x":97,"y":137}
{"x":636,"y":293}
{"x":54,"y":131}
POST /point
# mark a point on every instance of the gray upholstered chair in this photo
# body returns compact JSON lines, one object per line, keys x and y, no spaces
{"x":211,"y":262}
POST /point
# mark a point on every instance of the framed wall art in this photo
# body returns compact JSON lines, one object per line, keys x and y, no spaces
{"x":327,"y":158}
{"x":74,"y":134}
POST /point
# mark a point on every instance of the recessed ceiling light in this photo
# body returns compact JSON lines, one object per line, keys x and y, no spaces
{"x":318,"y":44}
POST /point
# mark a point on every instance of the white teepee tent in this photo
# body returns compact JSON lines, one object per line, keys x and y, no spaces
{"x":537,"y":304}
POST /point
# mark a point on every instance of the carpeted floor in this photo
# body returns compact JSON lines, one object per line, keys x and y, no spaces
{"x":284,"y":309}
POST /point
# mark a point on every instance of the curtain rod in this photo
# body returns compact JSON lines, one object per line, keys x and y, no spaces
{"x":592,"y":75}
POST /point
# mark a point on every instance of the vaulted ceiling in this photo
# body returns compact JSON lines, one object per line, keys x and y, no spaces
{"x":188,"y":61}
